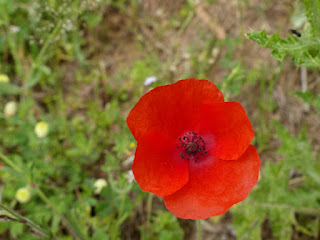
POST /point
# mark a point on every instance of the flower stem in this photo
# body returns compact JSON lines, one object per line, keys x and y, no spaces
{"x":149,"y":210}
{"x":40,"y":59}
{"x":25,"y":220}
{"x":10,"y":163}
{"x":199,"y":229}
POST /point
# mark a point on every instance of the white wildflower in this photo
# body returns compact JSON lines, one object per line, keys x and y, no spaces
{"x":23,"y":195}
{"x":10,"y":109}
{"x":99,"y":184}
{"x":14,"y":29}
{"x":130,"y":176}
{"x":4,"y":78}
{"x":41,"y":129}
{"x":150,"y":80}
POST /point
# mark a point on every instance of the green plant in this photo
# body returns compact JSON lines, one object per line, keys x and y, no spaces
{"x":303,"y":50}
{"x":286,"y":188}
{"x":287,"y":194}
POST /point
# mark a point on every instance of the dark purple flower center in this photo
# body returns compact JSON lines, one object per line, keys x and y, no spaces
{"x":192,"y":146}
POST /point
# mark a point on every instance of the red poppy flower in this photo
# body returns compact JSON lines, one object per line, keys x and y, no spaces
{"x":193,"y":148}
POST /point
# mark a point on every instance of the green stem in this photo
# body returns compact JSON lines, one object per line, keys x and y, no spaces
{"x":76,"y":233}
{"x":40,"y":59}
{"x":149,"y":210}
{"x":10,"y":163}
{"x":302,"y":210}
{"x":198,"y":229}
{"x":25,"y":220}
{"x":48,"y":41}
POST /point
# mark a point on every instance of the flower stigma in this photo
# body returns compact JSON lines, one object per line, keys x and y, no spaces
{"x":192,"y":146}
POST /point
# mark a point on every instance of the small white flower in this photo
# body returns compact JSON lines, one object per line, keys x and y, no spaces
{"x":99,"y":184}
{"x":10,"y":109}
{"x":150,"y":80}
{"x":41,"y":129}
{"x":4,"y":78}
{"x":23,"y":195}
{"x":14,"y":28}
{"x":130,"y":176}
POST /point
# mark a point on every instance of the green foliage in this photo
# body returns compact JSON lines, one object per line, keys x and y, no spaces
{"x":166,"y":226}
{"x":286,"y":187}
{"x":238,"y":77}
{"x":312,"y":13}
{"x":60,"y":169}
{"x":308,"y":97}
{"x":7,"y":89}
{"x":289,"y":189}
{"x":57,"y":77}
{"x":303,"y":51}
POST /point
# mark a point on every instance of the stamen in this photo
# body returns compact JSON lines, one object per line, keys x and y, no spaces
{"x":192,"y":146}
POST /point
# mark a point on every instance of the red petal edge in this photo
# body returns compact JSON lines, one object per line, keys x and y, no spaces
{"x":171,"y":109}
{"x":214,"y":186}
{"x":227,"y":129}
{"x":157,"y":166}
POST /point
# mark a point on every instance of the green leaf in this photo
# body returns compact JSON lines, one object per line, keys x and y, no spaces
{"x":16,"y":229}
{"x":55,"y":224}
{"x":313,"y":15}
{"x":301,"y":50}
{"x":34,"y":77}
{"x":8,"y":88}
{"x":246,"y":220}
{"x":274,"y":197}
{"x":166,"y":227}
{"x":6,"y":217}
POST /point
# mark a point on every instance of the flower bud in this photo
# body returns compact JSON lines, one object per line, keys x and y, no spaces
{"x":10,"y":109}
{"x":99,"y":184}
{"x":4,"y":78}
{"x":41,"y":129}
{"x":23,"y":195}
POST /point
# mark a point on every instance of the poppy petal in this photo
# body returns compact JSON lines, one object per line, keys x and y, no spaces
{"x":214,"y":186}
{"x":171,"y":109}
{"x":157,"y":166}
{"x":227,"y":128}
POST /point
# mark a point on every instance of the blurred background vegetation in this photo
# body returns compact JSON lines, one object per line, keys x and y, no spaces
{"x":71,"y":70}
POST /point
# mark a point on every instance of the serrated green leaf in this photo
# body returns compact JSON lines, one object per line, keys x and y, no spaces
{"x":166,"y":226}
{"x":301,"y":50}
